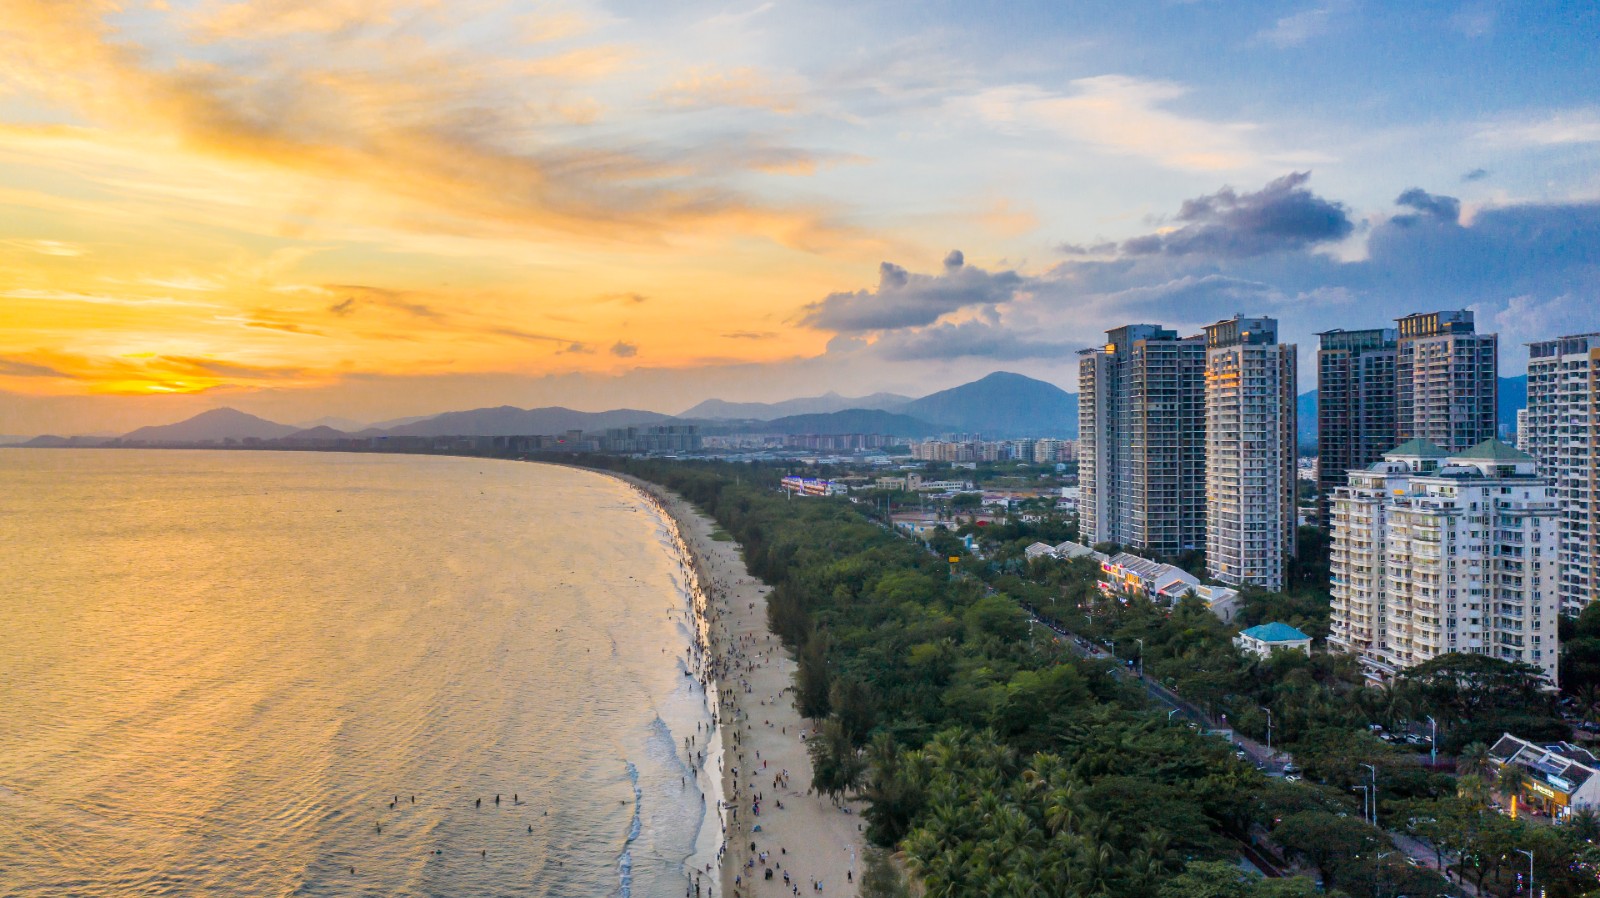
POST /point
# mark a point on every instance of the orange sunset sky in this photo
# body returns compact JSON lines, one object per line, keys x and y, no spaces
{"x":376,"y":208}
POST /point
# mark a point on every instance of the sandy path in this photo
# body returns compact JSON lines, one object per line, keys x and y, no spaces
{"x":808,"y":837}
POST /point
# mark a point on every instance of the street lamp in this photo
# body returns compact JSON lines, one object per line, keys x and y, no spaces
{"x":1269,"y":729}
{"x":1364,"y":799}
{"x":1172,"y":712}
{"x":1530,"y":866}
{"x":1374,"y":770}
{"x":1141,"y":656}
{"x":1433,"y":740}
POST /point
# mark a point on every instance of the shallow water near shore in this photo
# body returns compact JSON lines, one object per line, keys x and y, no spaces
{"x":218,"y":670}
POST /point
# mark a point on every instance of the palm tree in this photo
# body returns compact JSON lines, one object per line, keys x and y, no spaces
{"x":1474,"y":768}
{"x":1474,"y":761}
{"x":1513,"y":780}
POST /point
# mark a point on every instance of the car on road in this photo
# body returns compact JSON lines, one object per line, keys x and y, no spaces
{"x":1291,"y":768}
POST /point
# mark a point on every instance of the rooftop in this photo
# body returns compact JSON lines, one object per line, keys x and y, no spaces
{"x":1275,"y":632}
{"x":1495,"y":451}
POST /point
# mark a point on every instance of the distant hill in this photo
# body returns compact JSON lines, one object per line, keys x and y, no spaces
{"x":1306,"y":412}
{"x":1001,"y":405}
{"x":51,"y":441}
{"x":1513,"y":398}
{"x":348,"y":425}
{"x":855,"y":420}
{"x":511,"y":421}
{"x":213,"y":426}
{"x":387,"y":425}
{"x":717,"y":409}
{"x":320,"y":433}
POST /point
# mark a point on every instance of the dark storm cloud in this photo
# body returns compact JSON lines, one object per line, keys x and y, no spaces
{"x":903,"y":299}
{"x":1282,"y":216}
{"x":1444,"y":208}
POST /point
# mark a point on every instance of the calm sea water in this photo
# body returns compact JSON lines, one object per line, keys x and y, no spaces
{"x":219,"y":669}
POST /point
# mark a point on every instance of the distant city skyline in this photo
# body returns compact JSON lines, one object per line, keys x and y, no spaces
{"x":399,"y":207}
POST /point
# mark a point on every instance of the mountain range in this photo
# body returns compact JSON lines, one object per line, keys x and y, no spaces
{"x":1513,"y":397}
{"x":720,"y":410}
{"x":215,"y":425}
{"x":997,"y":406}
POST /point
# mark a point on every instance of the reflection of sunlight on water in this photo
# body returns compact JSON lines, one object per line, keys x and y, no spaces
{"x":232,"y":664}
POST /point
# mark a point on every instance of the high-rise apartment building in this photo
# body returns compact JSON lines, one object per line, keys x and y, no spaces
{"x":1250,"y":452}
{"x":1355,"y":405}
{"x":1559,"y":431}
{"x":1446,"y":380}
{"x":1436,"y":553}
{"x":1141,"y":440}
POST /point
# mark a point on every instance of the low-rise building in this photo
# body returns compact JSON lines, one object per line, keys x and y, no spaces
{"x":1039,"y":550}
{"x":1134,"y":575}
{"x":1222,"y":601}
{"x":1561,"y":776}
{"x":810,"y":486}
{"x":1265,"y":640}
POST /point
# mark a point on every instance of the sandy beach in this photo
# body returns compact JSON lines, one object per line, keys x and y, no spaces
{"x":807,"y":842}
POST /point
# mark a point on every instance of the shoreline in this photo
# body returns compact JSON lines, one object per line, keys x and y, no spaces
{"x":760,"y":757}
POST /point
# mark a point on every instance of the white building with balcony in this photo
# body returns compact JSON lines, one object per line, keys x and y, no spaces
{"x":1559,"y":429}
{"x":1435,"y":554}
{"x":1250,"y":435}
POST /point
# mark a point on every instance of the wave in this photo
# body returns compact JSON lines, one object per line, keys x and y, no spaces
{"x":625,"y":862}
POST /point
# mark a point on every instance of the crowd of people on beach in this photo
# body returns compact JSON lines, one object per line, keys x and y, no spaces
{"x":721,"y":662}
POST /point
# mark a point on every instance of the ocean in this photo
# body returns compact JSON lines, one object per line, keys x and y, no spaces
{"x":274,"y":673}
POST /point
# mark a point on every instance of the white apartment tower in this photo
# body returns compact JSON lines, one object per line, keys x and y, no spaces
{"x":1250,"y":452}
{"x":1436,"y":553}
{"x":1141,"y":440}
{"x":1446,"y":380}
{"x":1559,"y":432}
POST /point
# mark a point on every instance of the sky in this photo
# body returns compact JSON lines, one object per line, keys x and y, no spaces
{"x":369,"y":209}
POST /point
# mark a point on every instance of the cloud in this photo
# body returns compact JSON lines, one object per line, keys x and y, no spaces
{"x":19,"y":368}
{"x":1118,"y":115}
{"x":750,"y":335}
{"x":629,"y":298}
{"x":193,"y":365}
{"x":100,"y":299}
{"x":1295,"y":30}
{"x":1280,"y":216}
{"x":1477,"y":174}
{"x":742,"y":87}
{"x":437,"y":135}
{"x":1559,"y":128}
{"x":1077,"y":249}
{"x":624,"y":350}
{"x":47,"y":247}
{"x":970,"y":339}
{"x":1442,"y":208}
{"x":903,"y":299}
{"x":355,"y":295}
